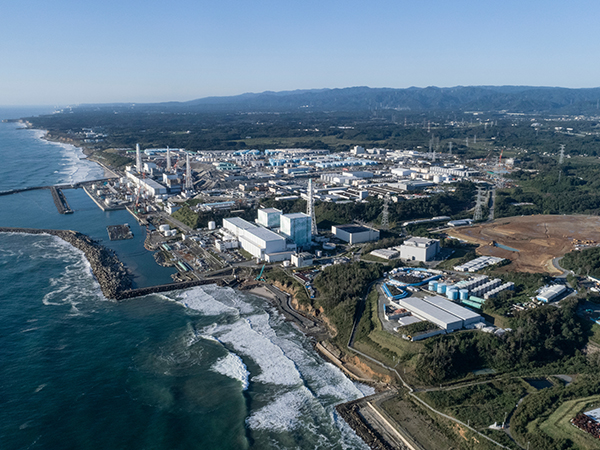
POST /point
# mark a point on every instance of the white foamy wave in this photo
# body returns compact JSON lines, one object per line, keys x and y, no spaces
{"x":250,"y":337}
{"x":282,"y":414}
{"x":232,"y":366}
{"x":199,"y":300}
{"x":229,"y":297}
{"x":76,"y":282}
{"x":76,"y":167}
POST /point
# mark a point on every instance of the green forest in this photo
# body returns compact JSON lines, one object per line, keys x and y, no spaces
{"x":583,"y":262}
{"x":543,"y":336}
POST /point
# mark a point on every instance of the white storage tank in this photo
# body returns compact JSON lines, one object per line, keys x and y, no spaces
{"x":164,"y":227}
{"x":212,"y":225}
{"x":441,"y":288}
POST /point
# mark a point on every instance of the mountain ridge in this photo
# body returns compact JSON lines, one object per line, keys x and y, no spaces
{"x":519,"y":99}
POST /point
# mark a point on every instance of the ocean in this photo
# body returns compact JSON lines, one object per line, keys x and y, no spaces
{"x":202,"y":368}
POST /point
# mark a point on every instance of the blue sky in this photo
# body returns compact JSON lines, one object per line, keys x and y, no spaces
{"x":67,"y":52}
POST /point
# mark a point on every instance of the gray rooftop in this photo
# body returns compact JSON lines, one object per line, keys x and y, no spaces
{"x":452,"y":308}
{"x":419,"y":307}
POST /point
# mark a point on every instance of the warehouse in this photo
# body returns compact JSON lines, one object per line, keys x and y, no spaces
{"x":551,"y":293}
{"x":355,"y":234}
{"x":433,"y":314}
{"x":467,"y":316}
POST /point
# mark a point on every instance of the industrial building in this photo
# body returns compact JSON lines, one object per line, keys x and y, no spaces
{"x":355,"y":234}
{"x":431,"y":313}
{"x":297,"y":227}
{"x":386,"y":253}
{"x":444,"y":313}
{"x":467,"y":316}
{"x":478,"y":264}
{"x":259,"y":242}
{"x":269,"y":217}
{"x":550,"y":293}
{"x":148,"y":185}
{"x":303,"y":259}
{"x":419,"y":249}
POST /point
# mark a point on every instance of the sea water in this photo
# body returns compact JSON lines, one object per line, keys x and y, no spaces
{"x":203,"y":368}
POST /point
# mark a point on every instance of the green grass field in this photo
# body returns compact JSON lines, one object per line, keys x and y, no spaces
{"x":558,"y":424}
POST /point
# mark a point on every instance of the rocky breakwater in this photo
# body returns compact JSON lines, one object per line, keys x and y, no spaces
{"x":108,"y":270}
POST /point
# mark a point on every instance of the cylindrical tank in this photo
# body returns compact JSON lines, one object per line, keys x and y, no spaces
{"x":286,"y":264}
{"x":437,"y":179}
{"x":164,"y":227}
{"x":433,"y":285}
{"x":212,"y":225}
{"x":328,"y":246}
{"x":441,"y":288}
{"x":464,"y":294}
{"x":319,"y":253}
{"x":98,"y":192}
{"x":452,"y":294}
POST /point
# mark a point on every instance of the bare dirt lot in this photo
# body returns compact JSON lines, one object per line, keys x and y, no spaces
{"x":538,"y":239}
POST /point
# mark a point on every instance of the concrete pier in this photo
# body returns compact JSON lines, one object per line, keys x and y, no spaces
{"x":60,"y":201}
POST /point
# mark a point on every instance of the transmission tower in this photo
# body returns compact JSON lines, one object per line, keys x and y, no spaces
{"x":562,"y":154}
{"x":385,"y":215}
{"x":189,"y":185}
{"x":169,"y":168}
{"x":467,"y":141}
{"x":478,"y":214}
{"x":493,"y":196}
{"x":310,"y":209}
{"x":138,"y":158}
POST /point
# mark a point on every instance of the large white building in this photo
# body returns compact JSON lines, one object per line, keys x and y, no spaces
{"x":148,"y":185}
{"x":442,"y":312}
{"x":355,"y":234}
{"x":419,"y":249}
{"x":261,"y":243}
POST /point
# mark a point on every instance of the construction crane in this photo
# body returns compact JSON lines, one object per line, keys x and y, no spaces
{"x":260,"y":277}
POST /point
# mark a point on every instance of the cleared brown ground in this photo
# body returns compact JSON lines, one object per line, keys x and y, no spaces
{"x":539,"y":239}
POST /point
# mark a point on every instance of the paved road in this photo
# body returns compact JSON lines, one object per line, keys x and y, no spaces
{"x":556,"y":264}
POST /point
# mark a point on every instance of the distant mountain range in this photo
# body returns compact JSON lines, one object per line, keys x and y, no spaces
{"x":518,"y":99}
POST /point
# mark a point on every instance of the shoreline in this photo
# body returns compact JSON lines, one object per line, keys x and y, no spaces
{"x":115,"y":282}
{"x":108,"y":172}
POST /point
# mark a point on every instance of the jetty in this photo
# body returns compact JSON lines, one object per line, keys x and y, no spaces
{"x":57,"y":186}
{"x":111,"y":273}
{"x":60,"y":201}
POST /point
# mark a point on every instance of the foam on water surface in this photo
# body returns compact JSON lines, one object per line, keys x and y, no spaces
{"x":233,"y":367}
